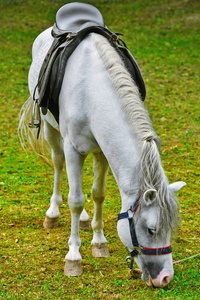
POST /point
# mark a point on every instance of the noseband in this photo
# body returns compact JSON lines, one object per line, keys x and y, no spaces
{"x":137,"y":248}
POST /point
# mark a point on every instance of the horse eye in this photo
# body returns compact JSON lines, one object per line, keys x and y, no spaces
{"x":151,"y":231}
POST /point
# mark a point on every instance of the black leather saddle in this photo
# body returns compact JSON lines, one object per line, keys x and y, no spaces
{"x":74,"y":21}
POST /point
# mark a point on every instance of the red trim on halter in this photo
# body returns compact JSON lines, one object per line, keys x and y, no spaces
{"x":157,"y":248}
{"x":136,"y":208}
{"x":157,"y":251}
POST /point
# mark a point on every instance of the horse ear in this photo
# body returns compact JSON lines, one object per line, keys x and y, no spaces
{"x":176,"y":186}
{"x":149,"y":196}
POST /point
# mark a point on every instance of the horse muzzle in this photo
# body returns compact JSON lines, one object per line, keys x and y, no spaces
{"x":162,"y":279}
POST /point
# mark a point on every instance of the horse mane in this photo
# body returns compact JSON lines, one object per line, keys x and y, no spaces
{"x":152,"y":175}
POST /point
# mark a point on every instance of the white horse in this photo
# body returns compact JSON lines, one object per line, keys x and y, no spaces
{"x":100,"y":111}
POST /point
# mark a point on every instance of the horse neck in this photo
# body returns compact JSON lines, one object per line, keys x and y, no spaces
{"x":101,"y":109}
{"x":116,"y":137}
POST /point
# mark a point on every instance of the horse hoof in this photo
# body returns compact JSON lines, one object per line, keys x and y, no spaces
{"x":73,"y":268}
{"x":135,"y":273}
{"x":84,"y":225}
{"x":50,"y":222}
{"x":100,"y":250}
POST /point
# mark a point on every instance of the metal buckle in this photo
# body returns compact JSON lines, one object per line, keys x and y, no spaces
{"x":114,"y":37}
{"x":70,"y":36}
{"x":138,"y":248}
{"x":129,"y":261}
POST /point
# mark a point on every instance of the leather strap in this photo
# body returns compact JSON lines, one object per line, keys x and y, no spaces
{"x":157,"y":251}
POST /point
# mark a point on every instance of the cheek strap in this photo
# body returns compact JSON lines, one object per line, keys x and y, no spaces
{"x":137,"y":248}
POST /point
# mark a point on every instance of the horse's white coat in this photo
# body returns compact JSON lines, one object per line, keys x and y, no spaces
{"x":92,"y":120}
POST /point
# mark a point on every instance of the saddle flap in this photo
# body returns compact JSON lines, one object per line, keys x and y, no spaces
{"x":76,"y":16}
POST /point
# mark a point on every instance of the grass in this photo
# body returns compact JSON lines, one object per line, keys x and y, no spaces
{"x":163,"y":36}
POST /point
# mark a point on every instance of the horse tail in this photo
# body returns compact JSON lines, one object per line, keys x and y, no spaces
{"x":28,"y":135}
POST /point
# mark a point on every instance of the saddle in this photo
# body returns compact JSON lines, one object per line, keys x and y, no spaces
{"x":74,"y":21}
{"x":74,"y":17}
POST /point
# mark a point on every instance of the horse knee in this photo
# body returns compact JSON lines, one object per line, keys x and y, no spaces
{"x":58,"y":158}
{"x":98,"y":193}
{"x":98,"y":199}
{"x":76,"y":202}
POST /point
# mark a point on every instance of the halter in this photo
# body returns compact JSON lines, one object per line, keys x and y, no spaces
{"x":137,"y":248}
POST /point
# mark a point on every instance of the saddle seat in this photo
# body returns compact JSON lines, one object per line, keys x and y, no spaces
{"x":76,"y":16}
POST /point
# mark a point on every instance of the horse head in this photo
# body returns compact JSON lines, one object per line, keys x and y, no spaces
{"x":146,"y":235}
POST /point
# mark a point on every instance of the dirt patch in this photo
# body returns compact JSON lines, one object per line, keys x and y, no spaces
{"x":194,"y":18}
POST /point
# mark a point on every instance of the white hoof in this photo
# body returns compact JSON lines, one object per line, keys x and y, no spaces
{"x":73,"y":268}
{"x":100,"y":250}
{"x":84,"y":225}
{"x":51,"y":222}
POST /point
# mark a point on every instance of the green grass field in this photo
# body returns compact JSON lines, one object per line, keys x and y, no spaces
{"x":163,"y":36}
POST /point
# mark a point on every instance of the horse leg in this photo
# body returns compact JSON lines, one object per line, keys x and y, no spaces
{"x":54,"y":139}
{"x":76,"y":200}
{"x":100,"y":169}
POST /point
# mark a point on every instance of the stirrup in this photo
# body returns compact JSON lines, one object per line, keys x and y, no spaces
{"x":36,"y":117}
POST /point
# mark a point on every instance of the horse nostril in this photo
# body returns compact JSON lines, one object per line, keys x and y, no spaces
{"x":165,"y":280}
{"x":161,"y":281}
